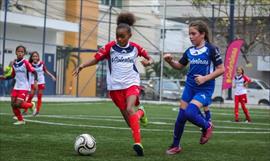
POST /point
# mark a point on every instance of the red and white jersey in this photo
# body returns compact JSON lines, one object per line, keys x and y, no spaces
{"x":40,"y":68}
{"x":20,"y":73}
{"x":239,"y":82}
{"x":121,"y":69}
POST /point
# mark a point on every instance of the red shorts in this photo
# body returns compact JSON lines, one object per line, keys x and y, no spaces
{"x":119,"y":97}
{"x":40,"y":86}
{"x":241,"y":98}
{"x":19,"y":94}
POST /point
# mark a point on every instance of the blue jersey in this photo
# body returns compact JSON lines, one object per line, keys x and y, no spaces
{"x":203,"y":62}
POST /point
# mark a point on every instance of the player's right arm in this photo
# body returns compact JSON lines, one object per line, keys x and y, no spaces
{"x":175,"y":64}
{"x":102,"y":53}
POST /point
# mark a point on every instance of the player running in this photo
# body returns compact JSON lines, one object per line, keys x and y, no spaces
{"x":40,"y":68}
{"x":205,"y":64}
{"x":20,"y":68}
{"x":123,"y":79}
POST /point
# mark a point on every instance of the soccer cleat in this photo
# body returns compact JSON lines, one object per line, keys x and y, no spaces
{"x":15,"y":118}
{"x":34,"y":108}
{"x":173,"y":150}
{"x":138,"y":148}
{"x":19,"y":122}
{"x":206,"y":135}
{"x":248,"y":121}
{"x":36,"y":113}
{"x":143,"y":119}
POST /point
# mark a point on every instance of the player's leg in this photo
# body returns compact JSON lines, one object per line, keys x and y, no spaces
{"x":207,"y":113}
{"x":180,"y":121}
{"x":236,"y":108}
{"x":193,"y":114}
{"x":15,"y":109}
{"x":30,"y":97}
{"x":39,"y":99}
{"x":243,"y":101}
{"x":178,"y":130}
{"x":134,"y":124}
{"x":32,"y":94}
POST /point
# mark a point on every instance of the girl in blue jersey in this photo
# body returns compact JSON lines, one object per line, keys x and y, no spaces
{"x":205,"y":64}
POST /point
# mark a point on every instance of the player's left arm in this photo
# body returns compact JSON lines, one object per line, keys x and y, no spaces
{"x":47,"y":72}
{"x":142,"y":52}
{"x":219,"y":68}
{"x":247,"y":80}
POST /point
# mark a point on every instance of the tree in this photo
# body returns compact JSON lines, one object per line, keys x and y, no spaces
{"x":251,"y":22}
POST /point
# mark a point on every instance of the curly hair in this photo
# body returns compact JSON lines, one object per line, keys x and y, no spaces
{"x":125,"y":20}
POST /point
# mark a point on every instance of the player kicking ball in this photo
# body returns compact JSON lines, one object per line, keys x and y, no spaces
{"x":123,"y":79}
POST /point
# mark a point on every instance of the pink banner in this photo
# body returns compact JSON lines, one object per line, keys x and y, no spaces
{"x":231,"y":60}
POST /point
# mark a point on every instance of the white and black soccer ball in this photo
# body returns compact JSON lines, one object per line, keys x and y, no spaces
{"x":85,"y":144}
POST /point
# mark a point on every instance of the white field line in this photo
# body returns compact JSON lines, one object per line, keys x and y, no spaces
{"x":232,"y":113}
{"x":104,"y":118}
{"x":150,"y":130}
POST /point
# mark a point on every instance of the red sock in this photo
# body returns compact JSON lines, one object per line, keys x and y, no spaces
{"x":30,"y":97}
{"x":140,"y":113}
{"x":17,"y":113}
{"x":39,"y":102}
{"x":135,"y":128}
{"x":245,"y":110}
{"x":26,"y":105}
{"x":236,"y":107}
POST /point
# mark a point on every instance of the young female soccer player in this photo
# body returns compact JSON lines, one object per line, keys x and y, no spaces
{"x":40,"y":68}
{"x":123,"y":79}
{"x":205,"y":64}
{"x":240,"y":95}
{"x":20,"y":68}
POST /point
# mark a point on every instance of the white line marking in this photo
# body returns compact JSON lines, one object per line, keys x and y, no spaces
{"x":151,"y":130}
{"x":104,"y":118}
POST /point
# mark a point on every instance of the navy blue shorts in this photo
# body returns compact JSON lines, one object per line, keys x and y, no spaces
{"x":204,"y":96}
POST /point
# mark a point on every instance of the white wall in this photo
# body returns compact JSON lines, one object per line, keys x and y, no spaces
{"x":29,"y":37}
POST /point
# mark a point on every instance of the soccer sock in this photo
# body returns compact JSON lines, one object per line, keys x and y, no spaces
{"x":207,"y":115}
{"x":25,"y":105}
{"x":135,"y":128}
{"x":30,"y":97}
{"x":139,"y":113}
{"x":245,"y":111}
{"x":179,"y":127}
{"x":193,"y":115}
{"x":39,"y":102}
{"x":17,"y":113}
{"x":236,"y":108}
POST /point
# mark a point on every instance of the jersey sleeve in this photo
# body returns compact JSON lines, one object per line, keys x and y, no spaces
{"x":28,"y":66}
{"x":104,"y":52}
{"x":246,"y":79}
{"x":141,"y":51}
{"x":215,"y":56}
{"x":184,"y":60}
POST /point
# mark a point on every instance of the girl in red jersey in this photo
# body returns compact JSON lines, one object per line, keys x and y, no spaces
{"x":20,"y":69}
{"x":40,"y":68}
{"x":240,"y":95}
{"x":123,"y":79}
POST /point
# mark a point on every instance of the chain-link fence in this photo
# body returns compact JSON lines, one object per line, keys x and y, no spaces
{"x":67,"y":33}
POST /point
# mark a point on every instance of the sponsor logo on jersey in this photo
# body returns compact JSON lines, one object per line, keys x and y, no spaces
{"x":122,"y":59}
{"x":199,"y":61}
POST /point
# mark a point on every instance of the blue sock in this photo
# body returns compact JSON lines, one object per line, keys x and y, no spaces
{"x":179,"y":127}
{"x":207,"y":115}
{"x":194,"y":115}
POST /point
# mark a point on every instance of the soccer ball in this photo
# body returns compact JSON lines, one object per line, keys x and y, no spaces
{"x":85,"y":144}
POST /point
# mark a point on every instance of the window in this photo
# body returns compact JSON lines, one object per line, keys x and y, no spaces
{"x":115,"y":3}
{"x":254,"y":85}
